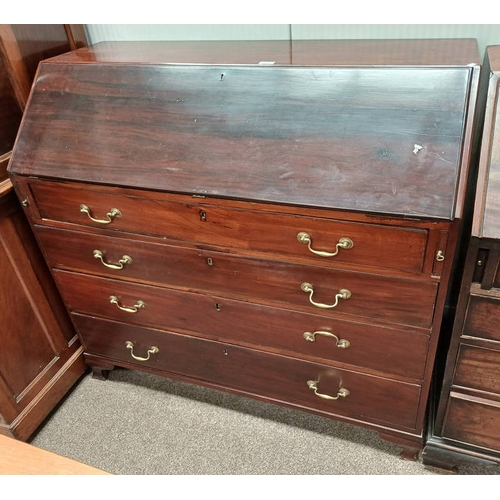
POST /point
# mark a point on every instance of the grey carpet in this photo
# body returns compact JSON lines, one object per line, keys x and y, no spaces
{"x":136,"y":423}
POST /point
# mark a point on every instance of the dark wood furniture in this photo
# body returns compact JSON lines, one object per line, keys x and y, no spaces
{"x":41,"y":356}
{"x":276,"y":220}
{"x":22,"y":47}
{"x":466,"y":424}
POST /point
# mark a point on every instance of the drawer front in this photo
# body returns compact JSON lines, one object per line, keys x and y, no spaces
{"x":483,"y":318}
{"x":276,"y":377}
{"x":473,"y":421}
{"x":379,"y":246}
{"x":389,"y":300}
{"x":478,"y":368}
{"x":387,"y":350}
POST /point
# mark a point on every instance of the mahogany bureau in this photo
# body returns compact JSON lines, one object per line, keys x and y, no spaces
{"x":274,"y":219}
{"x":466,"y":427}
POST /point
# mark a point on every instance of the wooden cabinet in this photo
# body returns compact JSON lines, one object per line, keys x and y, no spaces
{"x":41,"y":356}
{"x":282,"y":231}
{"x":466,"y":423}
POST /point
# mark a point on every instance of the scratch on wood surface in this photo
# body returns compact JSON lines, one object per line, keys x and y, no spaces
{"x":441,"y":158}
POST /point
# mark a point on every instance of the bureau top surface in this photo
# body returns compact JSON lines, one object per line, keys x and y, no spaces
{"x":425,"y":52}
{"x":369,"y":126}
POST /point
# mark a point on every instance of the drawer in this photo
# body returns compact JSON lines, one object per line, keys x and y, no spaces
{"x":396,"y":352}
{"x":473,"y":421}
{"x":373,"y":245}
{"x":274,"y":377}
{"x":390,"y":300}
{"x":478,"y":368}
{"x":483,"y":318}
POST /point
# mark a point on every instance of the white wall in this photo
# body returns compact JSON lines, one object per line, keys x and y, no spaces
{"x":125,"y":32}
{"x":486,"y":34}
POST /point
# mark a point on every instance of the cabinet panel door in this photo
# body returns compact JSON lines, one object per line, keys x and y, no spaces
{"x":34,"y":343}
{"x":24,"y":329}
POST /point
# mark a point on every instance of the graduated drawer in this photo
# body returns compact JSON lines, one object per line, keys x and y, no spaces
{"x":391,"y":300}
{"x":275,"y":377}
{"x":473,"y":420}
{"x":478,"y":368}
{"x":483,"y":318}
{"x":392,"y":351}
{"x":373,"y":245}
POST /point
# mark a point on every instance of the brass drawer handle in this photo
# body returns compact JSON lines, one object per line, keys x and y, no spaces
{"x":139,"y":305}
{"x":313,"y":385}
{"x":152,"y":350}
{"x":112,"y":214}
{"x":340,"y":343}
{"x":342,"y":294}
{"x":343,"y":243}
{"x":122,"y":262}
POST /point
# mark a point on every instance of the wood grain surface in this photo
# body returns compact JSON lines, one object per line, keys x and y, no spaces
{"x":216,"y":162}
{"x":375,"y":140}
{"x":18,"y":458}
{"x":375,"y":298}
{"x":423,"y":52}
{"x":272,"y":376}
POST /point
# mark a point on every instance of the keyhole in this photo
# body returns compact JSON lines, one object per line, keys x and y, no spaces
{"x":210,"y":262}
{"x":225,"y":352}
{"x":222,"y":76}
{"x":203,"y":215}
{"x":217,"y":307}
